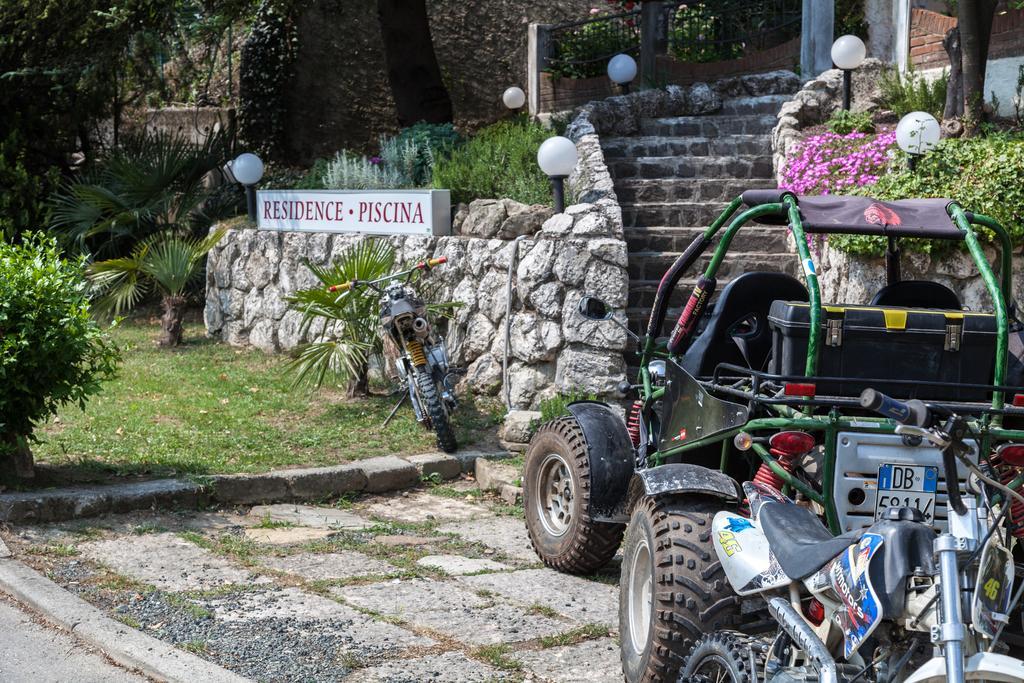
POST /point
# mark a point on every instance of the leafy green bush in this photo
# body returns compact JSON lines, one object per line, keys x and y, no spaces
{"x":845,"y":122}
{"x":500,"y":161}
{"x":913,"y":92}
{"x":52,"y":352}
{"x":431,"y":141}
{"x":583,"y":52}
{"x":984,"y":175}
{"x":558,"y":405}
{"x":348,"y":171}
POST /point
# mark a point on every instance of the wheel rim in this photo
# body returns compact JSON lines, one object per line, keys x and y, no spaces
{"x":556,"y":494}
{"x":640,"y":596}
{"x":714,"y":669}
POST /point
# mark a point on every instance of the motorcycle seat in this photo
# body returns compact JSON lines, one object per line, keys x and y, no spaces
{"x":801,"y":543}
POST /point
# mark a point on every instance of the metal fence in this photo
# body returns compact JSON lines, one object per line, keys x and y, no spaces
{"x":581,"y":49}
{"x":716,"y":31}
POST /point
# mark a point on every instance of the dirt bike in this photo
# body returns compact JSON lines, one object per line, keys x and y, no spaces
{"x":414,"y":351}
{"x":896,"y":601}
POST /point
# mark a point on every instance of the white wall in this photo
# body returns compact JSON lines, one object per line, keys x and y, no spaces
{"x":1000,"y":77}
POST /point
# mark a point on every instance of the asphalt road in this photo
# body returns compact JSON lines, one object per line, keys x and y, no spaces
{"x":31,"y":652}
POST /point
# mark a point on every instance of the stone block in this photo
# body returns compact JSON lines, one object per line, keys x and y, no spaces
{"x":457,"y":565}
{"x":492,"y":475}
{"x":308,"y":515}
{"x":249,"y":489}
{"x":388,"y":473}
{"x":441,"y":464}
{"x":512,"y":495}
{"x":318,"y":483}
{"x":519,"y":425}
{"x":468,"y":458}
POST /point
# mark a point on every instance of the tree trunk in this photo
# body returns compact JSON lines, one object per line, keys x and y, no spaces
{"x":954,"y":108}
{"x":19,"y":460}
{"x":415,"y":77}
{"x":975,"y":24}
{"x":359,"y":386}
{"x":171,"y":321}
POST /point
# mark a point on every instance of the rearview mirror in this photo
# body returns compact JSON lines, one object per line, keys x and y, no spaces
{"x":593,"y":308}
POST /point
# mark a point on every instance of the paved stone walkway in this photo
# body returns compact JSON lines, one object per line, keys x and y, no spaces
{"x":437,"y":584}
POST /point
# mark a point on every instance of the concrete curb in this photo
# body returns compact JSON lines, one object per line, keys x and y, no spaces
{"x":124,"y":645}
{"x":373,"y":475}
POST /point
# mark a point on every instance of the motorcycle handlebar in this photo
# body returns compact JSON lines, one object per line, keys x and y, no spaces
{"x":422,"y":265}
{"x":343,"y":287}
{"x":912,"y":412}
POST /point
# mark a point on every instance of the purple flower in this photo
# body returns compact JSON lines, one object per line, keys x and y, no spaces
{"x":376,"y":161}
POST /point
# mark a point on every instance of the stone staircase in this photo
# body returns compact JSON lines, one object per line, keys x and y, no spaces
{"x":676,"y":177}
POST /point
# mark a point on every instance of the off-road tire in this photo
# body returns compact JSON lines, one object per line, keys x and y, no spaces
{"x":585,"y":545}
{"x":738,"y":656}
{"x":431,"y":402}
{"x":688,"y":592}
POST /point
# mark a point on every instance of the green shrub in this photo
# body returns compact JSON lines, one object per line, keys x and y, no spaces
{"x":313,"y":179}
{"x":500,"y":161}
{"x":431,"y":141}
{"x":583,"y":52}
{"x":348,"y":171}
{"x":984,"y":175}
{"x":845,"y":122}
{"x":558,"y":405}
{"x":913,"y":92}
{"x":52,"y":352}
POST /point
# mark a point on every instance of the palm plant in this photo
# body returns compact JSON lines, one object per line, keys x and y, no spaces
{"x":351,"y":336}
{"x":153,"y":182}
{"x":165,"y":262}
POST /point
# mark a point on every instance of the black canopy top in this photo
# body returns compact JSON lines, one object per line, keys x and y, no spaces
{"x":927,"y":218}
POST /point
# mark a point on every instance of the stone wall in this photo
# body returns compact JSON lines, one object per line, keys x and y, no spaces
{"x":340,"y":97}
{"x":552,"y":347}
{"x":855,"y":279}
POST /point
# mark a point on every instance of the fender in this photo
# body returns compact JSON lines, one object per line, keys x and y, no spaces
{"x":686,"y":477}
{"x":982,"y":666}
{"x":611,"y":458}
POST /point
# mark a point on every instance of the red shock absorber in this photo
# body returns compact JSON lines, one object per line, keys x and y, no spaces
{"x":633,"y":423}
{"x":787,"y":447}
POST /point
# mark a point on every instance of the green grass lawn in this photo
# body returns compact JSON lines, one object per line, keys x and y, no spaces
{"x":207,"y":407}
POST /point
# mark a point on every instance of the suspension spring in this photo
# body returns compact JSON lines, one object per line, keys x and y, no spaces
{"x":415,"y":349}
{"x":633,"y":423}
{"x":767,"y":476}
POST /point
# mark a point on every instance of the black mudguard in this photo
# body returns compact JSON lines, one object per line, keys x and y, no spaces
{"x":686,"y":477}
{"x":611,"y":459}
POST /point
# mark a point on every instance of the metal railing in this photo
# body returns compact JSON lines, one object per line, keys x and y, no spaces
{"x":581,"y":49}
{"x":700,"y":32}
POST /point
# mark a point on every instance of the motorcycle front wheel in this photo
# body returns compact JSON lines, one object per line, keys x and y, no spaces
{"x":430,"y":401}
{"x":722,"y":657}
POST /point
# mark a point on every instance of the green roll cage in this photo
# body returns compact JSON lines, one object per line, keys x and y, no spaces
{"x":987,"y":426}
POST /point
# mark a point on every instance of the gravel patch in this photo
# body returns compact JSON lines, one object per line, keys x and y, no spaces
{"x":457,"y":564}
{"x":308,"y":515}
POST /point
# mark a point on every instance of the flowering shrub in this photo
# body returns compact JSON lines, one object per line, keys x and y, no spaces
{"x":830,"y":163}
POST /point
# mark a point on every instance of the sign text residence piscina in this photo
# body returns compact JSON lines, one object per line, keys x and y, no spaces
{"x":384,"y":212}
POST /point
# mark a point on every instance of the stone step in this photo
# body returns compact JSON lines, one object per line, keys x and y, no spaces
{"x":757,"y":166}
{"x":682,"y":214}
{"x":650,"y":266}
{"x":686,"y":190}
{"x":750,"y":238}
{"x":695,"y":146}
{"x":762,"y":105}
{"x":709,"y":126}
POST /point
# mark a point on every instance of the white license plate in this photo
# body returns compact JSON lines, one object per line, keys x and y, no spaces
{"x":907,"y":486}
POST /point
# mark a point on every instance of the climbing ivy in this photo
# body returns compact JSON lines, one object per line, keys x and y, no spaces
{"x":267,"y":66}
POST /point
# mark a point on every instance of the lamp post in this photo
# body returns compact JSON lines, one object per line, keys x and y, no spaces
{"x":514,"y":98}
{"x":557,"y":158}
{"x":622,"y":71}
{"x":848,"y":53}
{"x":247,"y":169}
{"x":917,"y":133}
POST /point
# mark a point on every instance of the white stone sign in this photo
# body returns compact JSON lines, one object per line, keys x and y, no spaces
{"x":382,"y":212}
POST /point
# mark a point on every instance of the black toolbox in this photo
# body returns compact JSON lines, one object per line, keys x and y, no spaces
{"x":907,"y":344}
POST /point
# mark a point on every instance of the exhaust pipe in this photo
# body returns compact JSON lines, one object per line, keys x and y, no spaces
{"x":420,"y":327}
{"x":805,"y":638}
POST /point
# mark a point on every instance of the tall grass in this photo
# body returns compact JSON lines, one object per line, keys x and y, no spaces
{"x":913,"y":92}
